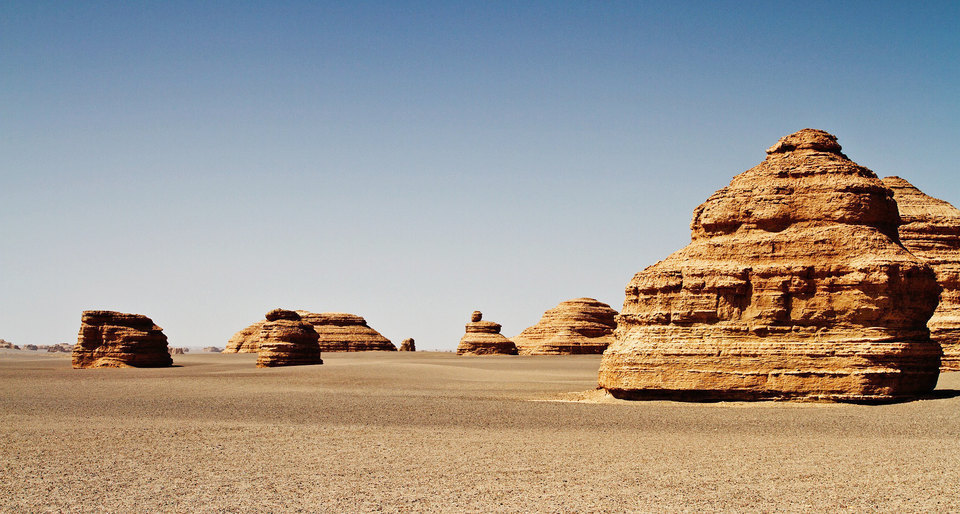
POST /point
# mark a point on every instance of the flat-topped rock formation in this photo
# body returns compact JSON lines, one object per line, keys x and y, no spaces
{"x":484,"y":338}
{"x":930,"y":229}
{"x":342,"y":332}
{"x":578,"y":326}
{"x":286,"y":340}
{"x":408,"y":345}
{"x":110,"y":339}
{"x":793,"y":287}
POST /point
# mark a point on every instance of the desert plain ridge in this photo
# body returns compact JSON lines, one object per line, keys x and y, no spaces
{"x":430,"y":431}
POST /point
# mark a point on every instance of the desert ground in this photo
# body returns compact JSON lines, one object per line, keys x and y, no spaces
{"x":431,"y":431}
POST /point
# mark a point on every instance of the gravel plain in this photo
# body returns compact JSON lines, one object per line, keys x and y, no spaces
{"x":431,"y":432}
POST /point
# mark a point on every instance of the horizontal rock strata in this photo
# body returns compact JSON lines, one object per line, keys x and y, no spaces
{"x":342,"y":332}
{"x":110,"y":339}
{"x":484,"y":338}
{"x":578,"y":326}
{"x":286,"y":340}
{"x":793,"y":287}
{"x":930,"y":229}
{"x":408,"y":345}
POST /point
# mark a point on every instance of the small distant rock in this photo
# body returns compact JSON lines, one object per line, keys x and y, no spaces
{"x":6,"y":344}
{"x":176,"y":351}
{"x":484,"y":338}
{"x":407,"y":345}
{"x":211,"y":349}
{"x":30,"y":347}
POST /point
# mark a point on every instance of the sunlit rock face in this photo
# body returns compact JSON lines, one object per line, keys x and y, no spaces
{"x":484,"y":338}
{"x":109,"y":339}
{"x":578,"y":326}
{"x":930,"y":229}
{"x":286,"y":340}
{"x":343,"y":332}
{"x":794,"y":286}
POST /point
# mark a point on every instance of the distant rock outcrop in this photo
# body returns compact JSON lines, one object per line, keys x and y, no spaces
{"x":408,"y":345}
{"x":286,"y":340}
{"x":930,"y":229}
{"x":793,"y":287}
{"x":337,"y":332}
{"x":30,"y":347}
{"x":342,"y":332}
{"x":211,"y":349}
{"x":246,"y":340}
{"x":110,"y":339}
{"x":6,"y":344}
{"x":484,"y":338}
{"x":176,"y":351}
{"x":578,"y":326}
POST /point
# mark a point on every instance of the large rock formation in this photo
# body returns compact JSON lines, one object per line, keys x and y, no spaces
{"x":582,"y":325}
{"x":342,"y":332}
{"x":338,"y":332}
{"x":484,"y":338}
{"x":110,"y":339}
{"x":408,"y":345}
{"x":794,"y":286}
{"x":930,"y":229}
{"x":286,"y":340}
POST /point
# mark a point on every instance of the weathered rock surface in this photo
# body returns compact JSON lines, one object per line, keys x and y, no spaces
{"x":337,"y":331}
{"x":793,"y":287}
{"x":342,"y":332}
{"x":408,"y":345}
{"x":246,"y":340}
{"x":286,"y":340}
{"x":930,"y":229}
{"x":111,"y":339}
{"x":484,"y":338}
{"x":578,"y":326}
{"x":176,"y":351}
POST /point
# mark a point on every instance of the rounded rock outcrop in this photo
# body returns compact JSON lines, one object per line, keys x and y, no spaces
{"x":578,"y":326}
{"x":794,"y":286}
{"x":484,"y":338}
{"x":286,"y":340}
{"x":408,"y":345}
{"x":109,"y":339}
{"x":343,"y":332}
{"x":930,"y":229}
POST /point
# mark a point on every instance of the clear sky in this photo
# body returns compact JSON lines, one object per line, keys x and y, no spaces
{"x":204,"y":162}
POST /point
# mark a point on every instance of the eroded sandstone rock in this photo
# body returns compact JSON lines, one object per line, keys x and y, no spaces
{"x":342,"y":332}
{"x":246,"y":340}
{"x":408,"y":345}
{"x":793,"y":287}
{"x":286,"y":340}
{"x":578,"y":326}
{"x":111,"y":339}
{"x":484,"y":338}
{"x":930,"y":229}
{"x":176,"y":350}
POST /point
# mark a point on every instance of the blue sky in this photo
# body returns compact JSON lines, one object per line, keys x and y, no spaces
{"x":410,"y":162}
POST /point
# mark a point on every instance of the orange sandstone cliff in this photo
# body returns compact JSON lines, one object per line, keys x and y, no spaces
{"x":578,"y":326}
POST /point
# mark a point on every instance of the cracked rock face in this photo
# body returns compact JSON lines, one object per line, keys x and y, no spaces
{"x":794,"y":286}
{"x":286,"y":340}
{"x":578,"y":326}
{"x":111,"y":339}
{"x":930,"y":229}
{"x":484,"y":338}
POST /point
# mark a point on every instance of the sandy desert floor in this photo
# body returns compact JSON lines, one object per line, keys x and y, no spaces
{"x":436,"y":432}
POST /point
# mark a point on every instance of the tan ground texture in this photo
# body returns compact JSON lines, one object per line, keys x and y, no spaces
{"x":423,"y":432}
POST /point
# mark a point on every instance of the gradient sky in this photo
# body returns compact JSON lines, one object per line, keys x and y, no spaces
{"x":204,"y":162}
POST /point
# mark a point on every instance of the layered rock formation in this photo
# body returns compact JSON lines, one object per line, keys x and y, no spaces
{"x":408,"y":345}
{"x":286,"y":340}
{"x":930,"y":229}
{"x":246,"y":340}
{"x":6,"y":344}
{"x":110,"y":339}
{"x":176,"y":351}
{"x":342,"y":332}
{"x":794,"y":286}
{"x":484,"y":338}
{"x":338,"y":332}
{"x":578,"y":326}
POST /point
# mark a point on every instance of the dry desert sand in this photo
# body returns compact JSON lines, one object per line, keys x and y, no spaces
{"x":435,"y":432}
